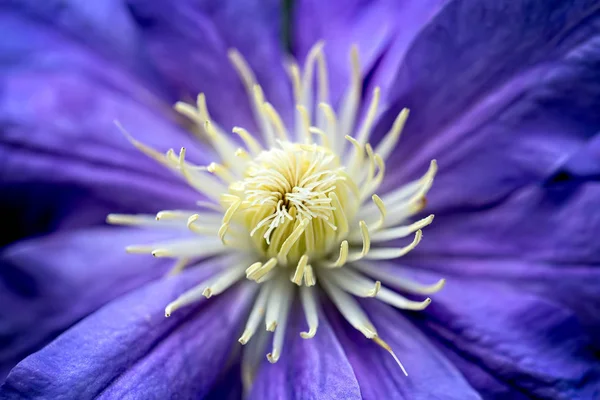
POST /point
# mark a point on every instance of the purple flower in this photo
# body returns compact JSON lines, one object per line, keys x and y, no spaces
{"x":504,"y":94}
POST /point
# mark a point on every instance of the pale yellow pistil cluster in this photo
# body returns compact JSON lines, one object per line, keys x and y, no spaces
{"x":294,"y":200}
{"x":301,"y":203}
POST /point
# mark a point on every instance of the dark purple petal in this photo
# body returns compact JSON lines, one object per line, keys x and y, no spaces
{"x":501,"y":104}
{"x":584,"y":164}
{"x":308,"y":368}
{"x":58,"y":102}
{"x":527,"y":341}
{"x":129,"y":349}
{"x":488,"y":386}
{"x":382,"y":29}
{"x":188,"y":41}
{"x":47,"y":284}
{"x":26,"y":215}
{"x":229,"y":386}
{"x":430,"y":374}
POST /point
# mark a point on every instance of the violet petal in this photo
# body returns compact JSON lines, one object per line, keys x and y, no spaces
{"x":189,"y":40}
{"x":128,"y":344}
{"x":48,"y":283}
{"x":308,"y":368}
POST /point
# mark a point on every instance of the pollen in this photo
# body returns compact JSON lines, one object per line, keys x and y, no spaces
{"x":295,"y":209}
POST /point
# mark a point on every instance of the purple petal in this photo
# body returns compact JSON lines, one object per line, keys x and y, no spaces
{"x":530,"y":342}
{"x":430,"y":374}
{"x":584,"y":164}
{"x":383,"y":30}
{"x":129,"y":349}
{"x":575,"y":287}
{"x":105,"y":27}
{"x":49,"y":283}
{"x":188,"y":41}
{"x":308,"y":368}
{"x":500,"y":104}
{"x":482,"y":380}
{"x":556,"y":224}
{"x":229,"y":386}
{"x":57,"y":106}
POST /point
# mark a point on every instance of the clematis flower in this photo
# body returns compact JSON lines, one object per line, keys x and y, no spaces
{"x":274,"y":206}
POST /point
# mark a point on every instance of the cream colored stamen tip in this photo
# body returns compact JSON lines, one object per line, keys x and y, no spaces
{"x":160,"y":253}
{"x":168,"y":310}
{"x":273,"y":357}
{"x":373,"y":292}
{"x":245,"y":337}
{"x":137,"y":249}
{"x":272,"y":326}
{"x":207,"y":293}
{"x":308,"y":335}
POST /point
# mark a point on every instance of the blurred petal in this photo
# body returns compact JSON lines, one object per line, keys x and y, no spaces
{"x":530,"y":342}
{"x":104,"y":27}
{"x":23,"y":214}
{"x":58,"y":102}
{"x":129,"y":349}
{"x":308,"y":368}
{"x":382,"y":29}
{"x":188,"y":40}
{"x":49,"y":283}
{"x":502,"y":103}
{"x":430,"y":374}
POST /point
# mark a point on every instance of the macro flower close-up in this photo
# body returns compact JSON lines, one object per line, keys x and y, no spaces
{"x":300,"y":199}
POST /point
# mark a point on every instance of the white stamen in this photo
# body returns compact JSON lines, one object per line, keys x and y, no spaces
{"x":389,"y":253}
{"x":412,"y":189}
{"x":392,"y":279}
{"x":354,"y":283}
{"x":309,"y":306}
{"x":309,"y":276}
{"x":391,"y":138}
{"x":350,"y":101}
{"x":307,"y":78}
{"x":252,"y":357}
{"x":401,"y":231}
{"x":140,"y":220}
{"x":300,"y":269}
{"x":281,"y":322}
{"x":348,"y":307}
{"x":178,"y":266}
{"x":257,"y":313}
{"x":184,"y":215}
{"x":342,"y":258}
{"x":276,"y":302}
{"x":213,"y":286}
{"x":365,"y":129}
{"x":394,"y":299}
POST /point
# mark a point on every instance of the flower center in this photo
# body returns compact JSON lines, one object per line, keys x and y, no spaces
{"x":294,"y":200}
{"x":295,"y":207}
